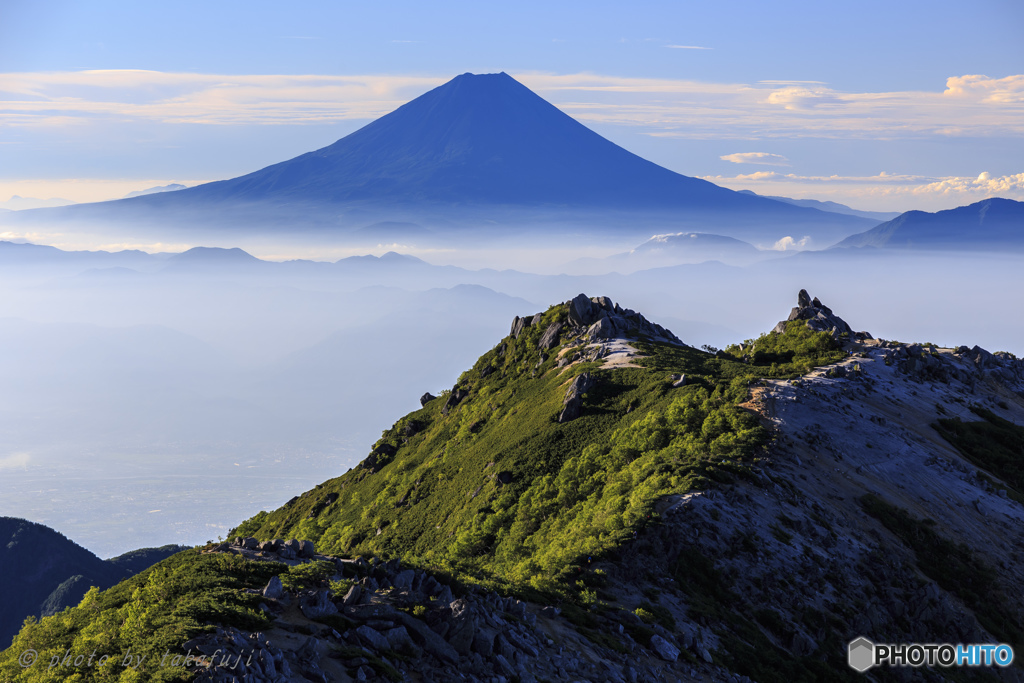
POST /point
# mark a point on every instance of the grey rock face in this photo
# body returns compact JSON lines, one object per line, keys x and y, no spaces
{"x":431,"y":642}
{"x":426,"y":398}
{"x":320,"y":605}
{"x":399,"y":639}
{"x":454,"y":399}
{"x":818,"y":317}
{"x":355,"y":593}
{"x":550,"y":336}
{"x":581,"y":311}
{"x":403,"y":580}
{"x":597,"y":318}
{"x":372,"y":638}
{"x":665,"y":649}
{"x":573,"y":401}
{"x":270,"y":546}
{"x":274,"y":589}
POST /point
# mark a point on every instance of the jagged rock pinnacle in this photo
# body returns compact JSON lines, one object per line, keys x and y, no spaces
{"x":819,"y":318}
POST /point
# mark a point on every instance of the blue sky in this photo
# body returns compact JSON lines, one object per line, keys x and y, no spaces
{"x":882,"y":105}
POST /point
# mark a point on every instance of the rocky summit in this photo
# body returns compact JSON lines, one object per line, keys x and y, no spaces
{"x":818,"y":317}
{"x":594,"y":500}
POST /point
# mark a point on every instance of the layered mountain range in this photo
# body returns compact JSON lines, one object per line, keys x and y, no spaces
{"x":595,"y":500}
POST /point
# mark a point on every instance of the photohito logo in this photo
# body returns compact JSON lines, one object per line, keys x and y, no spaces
{"x":862,"y":654}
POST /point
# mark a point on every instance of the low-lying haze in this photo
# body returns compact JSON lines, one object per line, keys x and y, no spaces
{"x":161,"y":398}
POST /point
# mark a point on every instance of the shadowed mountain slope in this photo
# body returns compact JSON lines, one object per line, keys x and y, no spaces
{"x":43,"y":571}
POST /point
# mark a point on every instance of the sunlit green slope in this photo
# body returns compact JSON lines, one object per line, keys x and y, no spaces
{"x":495,"y":488}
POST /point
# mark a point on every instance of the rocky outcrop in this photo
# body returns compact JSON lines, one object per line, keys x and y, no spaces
{"x":550,"y":337}
{"x":426,"y":398}
{"x":965,"y":365}
{"x":594,"y":319}
{"x":454,"y":398}
{"x":819,"y":318}
{"x":406,"y":624}
{"x":601,"y":318}
{"x":378,"y":457}
{"x":573,"y":401}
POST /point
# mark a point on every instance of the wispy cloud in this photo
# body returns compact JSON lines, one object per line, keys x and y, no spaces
{"x":970,"y":105}
{"x":763,"y":158}
{"x":885,"y":191}
{"x":966,"y":106}
{"x":76,"y":97}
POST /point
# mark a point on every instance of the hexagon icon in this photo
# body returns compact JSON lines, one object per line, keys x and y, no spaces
{"x":861,"y":654}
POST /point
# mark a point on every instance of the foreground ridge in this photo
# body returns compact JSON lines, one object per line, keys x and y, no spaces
{"x":595,"y":501}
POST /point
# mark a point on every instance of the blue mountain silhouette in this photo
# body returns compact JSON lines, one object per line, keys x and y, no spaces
{"x":476,"y":141}
{"x":990,"y":224}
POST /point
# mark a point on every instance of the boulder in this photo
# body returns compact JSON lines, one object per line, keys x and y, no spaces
{"x":581,"y":311}
{"x":517,"y":326}
{"x":573,"y":401}
{"x":319,"y":605}
{"x":460,"y":636}
{"x":426,"y":398}
{"x":403,"y":580}
{"x":274,"y":589}
{"x":432,"y":643}
{"x":606,"y":328}
{"x":399,"y":639}
{"x":665,"y":649}
{"x":483,"y":642}
{"x":270,"y":546}
{"x":354,"y":594}
{"x":550,"y":337}
{"x":372,"y":638}
{"x":306,"y":549}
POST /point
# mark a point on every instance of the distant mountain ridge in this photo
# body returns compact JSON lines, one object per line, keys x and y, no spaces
{"x":155,"y":190}
{"x":834,"y":207}
{"x":994,"y":223}
{"x":16,"y":203}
